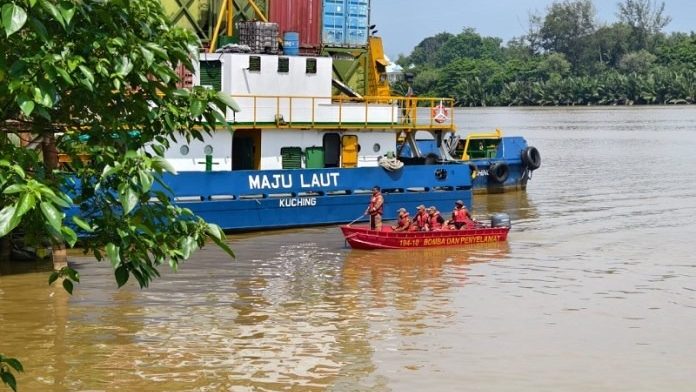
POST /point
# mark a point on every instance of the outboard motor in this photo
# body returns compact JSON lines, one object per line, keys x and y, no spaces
{"x":500,"y":220}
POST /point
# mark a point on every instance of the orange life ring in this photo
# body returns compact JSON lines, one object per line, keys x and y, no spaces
{"x":439,"y":113}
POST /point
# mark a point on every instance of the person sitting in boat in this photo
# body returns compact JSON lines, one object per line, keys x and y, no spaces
{"x":421,"y":222}
{"x":461,"y":218}
{"x":435,"y":221}
{"x":376,"y":208}
{"x":404,"y":223}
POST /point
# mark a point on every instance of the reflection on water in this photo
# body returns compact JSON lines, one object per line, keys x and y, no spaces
{"x":593,"y":291}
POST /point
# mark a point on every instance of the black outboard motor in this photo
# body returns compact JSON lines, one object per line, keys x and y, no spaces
{"x":500,"y":220}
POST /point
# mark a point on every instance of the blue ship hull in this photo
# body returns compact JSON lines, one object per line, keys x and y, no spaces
{"x":255,"y":200}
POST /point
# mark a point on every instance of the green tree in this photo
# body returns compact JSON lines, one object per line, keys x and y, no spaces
{"x":568,"y":27}
{"x":637,"y":62}
{"x":647,"y":19}
{"x":95,"y":80}
{"x":423,"y":52}
{"x":468,"y":44}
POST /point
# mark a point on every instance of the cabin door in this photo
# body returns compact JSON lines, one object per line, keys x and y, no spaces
{"x":246,"y":150}
{"x":332,"y":149}
{"x":349,"y":153}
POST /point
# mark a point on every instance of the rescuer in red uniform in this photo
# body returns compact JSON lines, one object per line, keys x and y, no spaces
{"x":376,"y":209}
{"x":461,"y":218}
{"x":404,"y":223}
{"x":421,"y":220}
{"x":435,"y":221}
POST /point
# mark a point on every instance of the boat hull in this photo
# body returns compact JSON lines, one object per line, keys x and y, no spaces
{"x":361,"y":237}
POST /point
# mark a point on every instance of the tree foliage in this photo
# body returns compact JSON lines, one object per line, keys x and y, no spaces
{"x":93,"y":82}
{"x":566,"y":58}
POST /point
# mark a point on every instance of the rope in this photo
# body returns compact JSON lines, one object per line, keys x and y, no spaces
{"x":390,"y":164}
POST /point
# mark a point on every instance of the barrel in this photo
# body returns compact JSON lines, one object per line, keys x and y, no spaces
{"x":500,"y":220}
{"x":291,"y":43}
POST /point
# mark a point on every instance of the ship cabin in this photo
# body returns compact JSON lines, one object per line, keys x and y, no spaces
{"x":290,"y":117}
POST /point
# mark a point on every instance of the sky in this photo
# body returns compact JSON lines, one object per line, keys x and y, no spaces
{"x":402,"y":24}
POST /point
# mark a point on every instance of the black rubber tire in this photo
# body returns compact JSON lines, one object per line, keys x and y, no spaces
{"x":432,"y":159}
{"x":531,"y":158}
{"x":499,"y":172}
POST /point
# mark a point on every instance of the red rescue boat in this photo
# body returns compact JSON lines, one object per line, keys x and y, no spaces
{"x":362,"y":237}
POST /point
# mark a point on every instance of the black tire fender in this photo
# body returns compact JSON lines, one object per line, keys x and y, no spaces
{"x":499,"y":172}
{"x":531,"y":158}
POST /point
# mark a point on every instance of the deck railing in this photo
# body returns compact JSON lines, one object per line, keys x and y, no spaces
{"x":341,"y":112}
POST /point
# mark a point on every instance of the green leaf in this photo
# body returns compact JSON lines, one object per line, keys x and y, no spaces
{"x":18,"y":169}
{"x":147,"y":55}
{"x":112,"y":252}
{"x":72,"y":274}
{"x":26,"y":104}
{"x":128,"y":198}
{"x":82,"y":224}
{"x":9,"y":379}
{"x":121,"y":275}
{"x":69,"y":235}
{"x":53,"y":10}
{"x":220,"y":243}
{"x":67,"y":11}
{"x":196,"y":107}
{"x":14,"y":364}
{"x":68,"y":286}
{"x":163,"y":164}
{"x":53,"y":216}
{"x":88,"y":74}
{"x":215,"y":231}
{"x":146,"y":181}
{"x":14,"y":188}
{"x":7,"y":219}
{"x":54,"y":276}
{"x":13,"y":18}
{"x":228,"y":101}
{"x":26,"y":203}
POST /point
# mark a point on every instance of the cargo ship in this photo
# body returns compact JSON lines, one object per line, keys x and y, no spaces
{"x":316,"y":127}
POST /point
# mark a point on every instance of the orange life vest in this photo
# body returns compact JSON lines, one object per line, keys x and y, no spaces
{"x":421,"y":221}
{"x":373,"y":203}
{"x":435,"y":222}
{"x":459,"y":215}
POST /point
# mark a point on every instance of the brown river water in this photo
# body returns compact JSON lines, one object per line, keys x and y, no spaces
{"x":595,"y":289}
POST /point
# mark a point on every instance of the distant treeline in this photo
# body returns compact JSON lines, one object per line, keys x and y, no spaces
{"x":566,"y":58}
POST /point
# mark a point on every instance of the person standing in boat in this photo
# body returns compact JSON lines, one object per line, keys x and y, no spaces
{"x":376,"y":209}
{"x":436,"y":222}
{"x":461,"y":218}
{"x":421,"y":222}
{"x":404,"y":223}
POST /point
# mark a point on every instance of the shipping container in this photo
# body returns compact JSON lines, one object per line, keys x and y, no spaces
{"x":298,"y":16}
{"x":357,"y":20}
{"x":345,"y":23}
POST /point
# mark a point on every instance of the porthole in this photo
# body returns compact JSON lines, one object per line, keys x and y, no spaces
{"x":184,"y":150}
{"x":208,"y":150}
{"x":376,"y":147}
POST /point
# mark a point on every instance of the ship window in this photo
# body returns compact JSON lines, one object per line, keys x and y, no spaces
{"x":311,"y":66}
{"x":376,"y":147}
{"x":283,"y":64}
{"x":211,"y":74}
{"x":208,"y":150}
{"x":291,"y":157}
{"x":255,"y":63}
{"x":184,"y":150}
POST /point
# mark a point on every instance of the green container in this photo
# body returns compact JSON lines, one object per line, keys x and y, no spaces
{"x":315,"y":157}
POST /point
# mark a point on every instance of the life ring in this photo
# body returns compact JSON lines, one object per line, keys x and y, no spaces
{"x":474,"y":170}
{"x":531,"y":158}
{"x":439,"y":113}
{"x":499,"y":172}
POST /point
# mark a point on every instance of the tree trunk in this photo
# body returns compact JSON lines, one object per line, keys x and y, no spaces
{"x":50,"y":157}
{"x":5,"y":248}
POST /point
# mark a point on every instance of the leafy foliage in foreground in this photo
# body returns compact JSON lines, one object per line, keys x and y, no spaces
{"x":95,"y":80}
